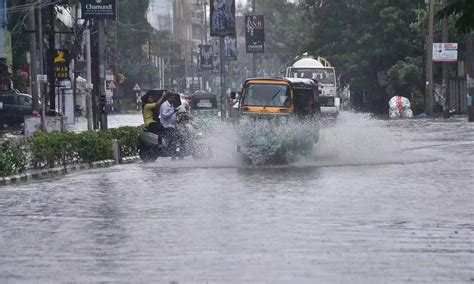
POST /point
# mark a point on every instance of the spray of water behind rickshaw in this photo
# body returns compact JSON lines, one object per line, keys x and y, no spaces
{"x":352,"y":139}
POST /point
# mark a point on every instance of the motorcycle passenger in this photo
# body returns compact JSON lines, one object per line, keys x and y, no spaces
{"x":148,"y":115}
{"x":168,"y":119}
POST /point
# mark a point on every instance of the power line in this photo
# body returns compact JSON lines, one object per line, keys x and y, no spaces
{"x":26,"y":7}
{"x":21,"y":22}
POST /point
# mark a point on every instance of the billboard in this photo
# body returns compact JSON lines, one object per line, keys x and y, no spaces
{"x":99,"y":9}
{"x":61,"y":61}
{"x":206,"y":57}
{"x":222,"y":17}
{"x":254,"y":34}
{"x":230,"y":48}
{"x":445,"y":52}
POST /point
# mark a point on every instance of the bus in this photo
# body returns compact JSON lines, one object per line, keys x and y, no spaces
{"x":321,"y":71}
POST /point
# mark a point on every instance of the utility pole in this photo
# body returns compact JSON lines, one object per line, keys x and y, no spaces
{"x":89,"y":87}
{"x":445,"y":39}
{"x":40,"y":37}
{"x":254,"y":55}
{"x":150,"y":66}
{"x":203,"y":41}
{"x":95,"y":73}
{"x":102,"y":95}
{"x":52,"y":46}
{"x":34,"y":59}
{"x":222,"y":66}
{"x":429,"y":61}
{"x":41,"y":90}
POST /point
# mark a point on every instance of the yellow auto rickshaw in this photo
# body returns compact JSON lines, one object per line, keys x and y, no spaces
{"x":280,"y":97}
{"x":278,"y":119}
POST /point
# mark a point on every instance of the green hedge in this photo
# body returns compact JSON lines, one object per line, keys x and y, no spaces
{"x":93,"y":146}
{"x":52,"y":149}
{"x":13,"y":158}
{"x":46,"y":150}
{"x":127,"y":137}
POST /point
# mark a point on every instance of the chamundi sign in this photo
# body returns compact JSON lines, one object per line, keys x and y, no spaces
{"x":99,"y":9}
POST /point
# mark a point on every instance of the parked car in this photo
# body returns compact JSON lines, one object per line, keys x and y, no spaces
{"x":14,"y":106}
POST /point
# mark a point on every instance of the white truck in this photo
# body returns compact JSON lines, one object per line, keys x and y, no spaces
{"x":320,"y":70}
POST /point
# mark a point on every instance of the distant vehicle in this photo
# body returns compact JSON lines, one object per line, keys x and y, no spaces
{"x":321,"y":71}
{"x":204,"y":105}
{"x":14,"y":106}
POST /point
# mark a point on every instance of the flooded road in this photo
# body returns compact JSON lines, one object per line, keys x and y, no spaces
{"x":377,"y":202}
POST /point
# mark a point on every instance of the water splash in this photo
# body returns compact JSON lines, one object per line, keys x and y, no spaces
{"x":351,"y":139}
{"x":270,"y":141}
{"x":358,"y":138}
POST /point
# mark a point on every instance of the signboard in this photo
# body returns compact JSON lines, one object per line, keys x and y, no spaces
{"x":230,"y":48}
{"x":206,"y":57}
{"x":111,"y":85}
{"x":222,"y":17}
{"x":61,"y":62}
{"x":445,"y":52}
{"x":42,"y":78}
{"x":99,"y":9}
{"x":254,"y":34}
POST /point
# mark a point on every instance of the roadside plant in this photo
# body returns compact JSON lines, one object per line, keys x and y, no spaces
{"x":52,"y":149}
{"x":48,"y":150}
{"x":12,"y":158}
{"x":127,"y":138}
{"x":92,"y":146}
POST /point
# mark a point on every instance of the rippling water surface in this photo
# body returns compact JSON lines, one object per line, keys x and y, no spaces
{"x":377,"y":202}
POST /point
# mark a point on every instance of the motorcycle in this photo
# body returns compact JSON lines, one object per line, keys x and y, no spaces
{"x":188,"y":142}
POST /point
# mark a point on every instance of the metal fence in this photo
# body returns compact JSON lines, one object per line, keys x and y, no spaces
{"x":458,"y":90}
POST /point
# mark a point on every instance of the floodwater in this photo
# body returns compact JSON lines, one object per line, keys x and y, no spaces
{"x":377,"y":202}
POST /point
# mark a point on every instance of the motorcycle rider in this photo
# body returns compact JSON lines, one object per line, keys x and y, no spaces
{"x":168,"y":119}
{"x":148,"y":114}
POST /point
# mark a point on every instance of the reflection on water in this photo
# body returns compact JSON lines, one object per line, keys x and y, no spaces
{"x":404,"y":214}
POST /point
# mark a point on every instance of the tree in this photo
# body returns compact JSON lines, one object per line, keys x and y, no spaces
{"x":284,"y":30}
{"x":464,"y":10}
{"x":130,"y":42}
{"x":17,"y":20}
{"x":364,"y":39}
